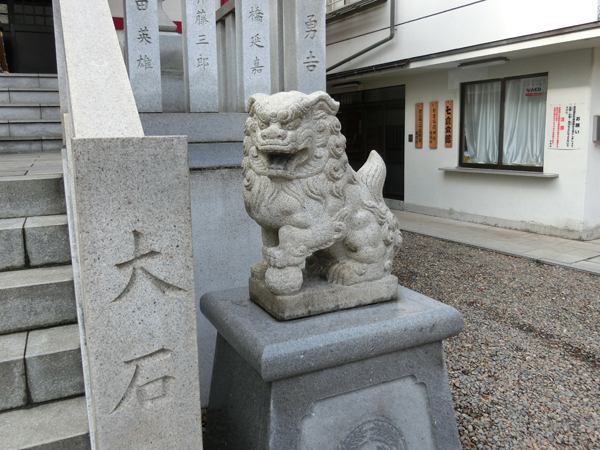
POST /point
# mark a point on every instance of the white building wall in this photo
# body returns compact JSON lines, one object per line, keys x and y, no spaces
{"x":592,"y":186}
{"x":546,"y":205}
{"x":433,"y":26}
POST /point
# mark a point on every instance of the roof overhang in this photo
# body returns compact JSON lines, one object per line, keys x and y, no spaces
{"x":555,"y":41}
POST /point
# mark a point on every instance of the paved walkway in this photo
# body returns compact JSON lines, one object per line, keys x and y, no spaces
{"x":552,"y":250}
{"x":582,"y":255}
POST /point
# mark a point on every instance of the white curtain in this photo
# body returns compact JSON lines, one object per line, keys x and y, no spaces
{"x":524,"y":121}
{"x":482,"y":122}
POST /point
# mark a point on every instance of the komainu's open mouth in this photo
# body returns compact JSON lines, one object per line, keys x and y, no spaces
{"x":278,"y":161}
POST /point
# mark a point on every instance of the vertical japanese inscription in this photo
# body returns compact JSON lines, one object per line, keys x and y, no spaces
{"x":137,"y":290}
{"x":419,"y":125}
{"x":311,"y":62}
{"x":200,"y":56}
{"x":256,"y":15}
{"x":143,"y":53}
{"x":253,"y":39}
{"x":139,"y":272}
{"x":151,"y":380}
{"x":309,"y":26}
{"x":448,"y":124}
{"x":304,"y":46}
{"x":433,"y":124}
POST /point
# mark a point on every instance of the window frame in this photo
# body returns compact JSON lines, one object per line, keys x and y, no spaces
{"x":462,"y":146}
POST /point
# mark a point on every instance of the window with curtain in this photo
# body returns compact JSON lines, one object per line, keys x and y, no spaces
{"x":503,"y":123}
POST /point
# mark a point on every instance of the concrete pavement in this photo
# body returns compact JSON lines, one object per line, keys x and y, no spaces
{"x":581,"y":255}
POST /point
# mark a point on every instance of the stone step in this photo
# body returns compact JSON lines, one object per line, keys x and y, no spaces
{"x":31,"y":128}
{"x":12,"y":244}
{"x":13,"y":384}
{"x":28,"y":80}
{"x":47,"y":240}
{"x":53,"y":364}
{"x":61,"y":425}
{"x":35,"y":298}
{"x":44,"y":364}
{"x":33,"y":242}
{"x":29,"y":95}
{"x":32,"y":195}
{"x":29,"y":145}
{"x":28,"y":111}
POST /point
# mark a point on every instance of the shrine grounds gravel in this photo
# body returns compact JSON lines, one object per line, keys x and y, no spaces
{"x":525,"y":371}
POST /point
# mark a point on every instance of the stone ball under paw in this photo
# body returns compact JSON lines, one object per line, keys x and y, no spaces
{"x":284,"y":281}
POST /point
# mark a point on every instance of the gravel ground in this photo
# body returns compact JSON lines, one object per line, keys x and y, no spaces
{"x":525,"y":371}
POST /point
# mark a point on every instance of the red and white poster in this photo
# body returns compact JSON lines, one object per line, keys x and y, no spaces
{"x":564,"y":126}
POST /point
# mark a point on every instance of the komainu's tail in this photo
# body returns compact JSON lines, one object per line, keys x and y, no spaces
{"x":372,"y":173}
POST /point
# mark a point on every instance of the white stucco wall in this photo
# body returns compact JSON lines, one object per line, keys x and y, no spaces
{"x":440,"y":25}
{"x":565,"y":205}
{"x":558,"y":203}
{"x":592,"y":184}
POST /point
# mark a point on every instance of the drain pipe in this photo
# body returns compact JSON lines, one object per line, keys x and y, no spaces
{"x":376,"y":44}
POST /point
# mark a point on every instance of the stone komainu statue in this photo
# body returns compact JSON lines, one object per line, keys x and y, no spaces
{"x":311,"y":205}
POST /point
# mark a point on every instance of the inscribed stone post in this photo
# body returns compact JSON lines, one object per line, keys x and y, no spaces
{"x":132,"y":200}
{"x":253,"y":46}
{"x":200,"y":56}
{"x":304,"y":46}
{"x":142,"y":48}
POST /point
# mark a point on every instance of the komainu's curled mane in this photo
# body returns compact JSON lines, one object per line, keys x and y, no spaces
{"x":309,"y":202}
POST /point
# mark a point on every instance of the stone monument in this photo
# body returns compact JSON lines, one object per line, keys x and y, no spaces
{"x":130,"y":228}
{"x":370,"y":375}
{"x":200,"y":56}
{"x":252,"y":22}
{"x":143,"y":54}
{"x":314,"y":208}
{"x":304,"y":45}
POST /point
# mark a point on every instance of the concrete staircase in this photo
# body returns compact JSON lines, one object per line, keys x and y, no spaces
{"x":41,"y":380}
{"x":29,"y":113}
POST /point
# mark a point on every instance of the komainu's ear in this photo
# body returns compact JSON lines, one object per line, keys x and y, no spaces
{"x":252,"y":100}
{"x":321,"y":100}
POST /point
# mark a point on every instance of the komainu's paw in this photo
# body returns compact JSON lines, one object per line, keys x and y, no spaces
{"x":284,"y":257}
{"x":347,"y":272}
{"x":284,"y":281}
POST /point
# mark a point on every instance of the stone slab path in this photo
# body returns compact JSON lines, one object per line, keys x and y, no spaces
{"x":581,"y":255}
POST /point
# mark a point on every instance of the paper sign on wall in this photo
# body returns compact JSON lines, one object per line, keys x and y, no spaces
{"x":419,"y":125}
{"x":564,"y":126}
{"x":433,"y":124}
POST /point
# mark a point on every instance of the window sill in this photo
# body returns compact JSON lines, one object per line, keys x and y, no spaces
{"x":513,"y":173}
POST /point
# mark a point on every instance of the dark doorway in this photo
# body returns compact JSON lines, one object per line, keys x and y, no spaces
{"x":374,"y":120}
{"x":28,"y":35}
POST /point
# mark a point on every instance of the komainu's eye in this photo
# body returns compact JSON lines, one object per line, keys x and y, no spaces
{"x":293,"y":125}
{"x":262,"y":125}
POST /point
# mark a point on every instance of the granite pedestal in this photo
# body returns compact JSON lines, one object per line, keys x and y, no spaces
{"x":371,"y":377}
